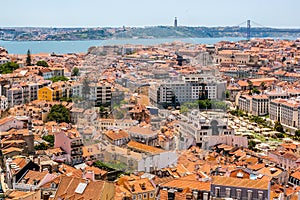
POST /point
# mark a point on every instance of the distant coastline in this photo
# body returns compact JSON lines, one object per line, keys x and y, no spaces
{"x":85,"y":34}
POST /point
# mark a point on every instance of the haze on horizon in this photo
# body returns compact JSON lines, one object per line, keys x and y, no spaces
{"x":137,"y":13}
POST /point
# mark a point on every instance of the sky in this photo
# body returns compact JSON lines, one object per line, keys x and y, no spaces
{"x":139,"y":13}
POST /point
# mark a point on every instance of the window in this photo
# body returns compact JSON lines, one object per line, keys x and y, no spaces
{"x":238,"y":193}
{"x":171,"y":195}
{"x":145,"y":196}
{"x":217,"y":192}
{"x":134,"y":197}
{"x":205,"y":196}
{"x":151,"y":194}
{"x":249,"y":194}
{"x":140,"y":196}
{"x":260,"y":195}
{"x":228,"y":192}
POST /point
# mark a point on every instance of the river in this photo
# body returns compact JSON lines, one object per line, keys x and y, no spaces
{"x":62,"y":47}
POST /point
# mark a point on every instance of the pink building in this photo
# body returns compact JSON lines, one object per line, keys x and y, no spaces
{"x":285,"y":159}
{"x":70,"y":141}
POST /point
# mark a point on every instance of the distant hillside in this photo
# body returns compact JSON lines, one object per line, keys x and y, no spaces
{"x":23,"y":33}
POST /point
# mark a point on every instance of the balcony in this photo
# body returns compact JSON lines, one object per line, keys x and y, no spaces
{"x":76,"y":144}
{"x":76,"y":153}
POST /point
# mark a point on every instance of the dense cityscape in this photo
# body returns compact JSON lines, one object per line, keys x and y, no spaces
{"x":173,"y":120}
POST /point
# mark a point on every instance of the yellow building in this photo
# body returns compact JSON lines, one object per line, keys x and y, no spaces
{"x":49,"y":94}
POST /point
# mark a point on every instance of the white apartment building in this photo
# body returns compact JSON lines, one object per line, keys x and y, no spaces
{"x":101,"y":93}
{"x":76,"y":89}
{"x":260,"y":105}
{"x":3,"y":103}
{"x":286,"y":111}
{"x":15,"y":96}
{"x":189,"y":89}
{"x":245,"y":103}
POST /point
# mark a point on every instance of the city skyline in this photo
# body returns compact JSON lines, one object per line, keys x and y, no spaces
{"x":115,"y":13}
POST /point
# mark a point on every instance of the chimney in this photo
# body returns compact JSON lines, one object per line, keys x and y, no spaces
{"x":113,"y":148}
{"x":128,"y":151}
{"x":90,"y":175}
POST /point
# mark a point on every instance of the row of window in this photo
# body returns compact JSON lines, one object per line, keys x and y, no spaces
{"x":143,"y":196}
{"x":238,"y":193}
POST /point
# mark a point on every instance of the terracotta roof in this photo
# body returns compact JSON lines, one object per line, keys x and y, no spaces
{"x":69,"y":189}
{"x":145,"y":130}
{"x":237,"y":182}
{"x":268,"y":171}
{"x":96,"y":170}
{"x":33,"y":176}
{"x":20,"y":194}
{"x":116,"y":135}
{"x":188,"y":182}
{"x":296,"y":175}
{"x":144,"y":148}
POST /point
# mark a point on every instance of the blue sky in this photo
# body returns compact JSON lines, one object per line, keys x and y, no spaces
{"x":116,"y":13}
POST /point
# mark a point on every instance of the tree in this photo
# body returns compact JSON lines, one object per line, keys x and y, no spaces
{"x":251,"y":145}
{"x":255,"y":91}
{"x":263,"y":86}
{"x":42,"y":63}
{"x":227,"y":94}
{"x":50,"y":139}
{"x":58,"y":78}
{"x":28,"y":59}
{"x":8,"y":67}
{"x":42,"y":146}
{"x":59,"y":113}
{"x":75,"y":71}
{"x":278,"y":127}
{"x":297,"y":133}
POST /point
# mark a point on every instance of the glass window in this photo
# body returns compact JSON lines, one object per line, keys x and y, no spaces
{"x":228,"y":192}
{"x":249,"y":194}
{"x":217,"y":192}
{"x":238,"y":193}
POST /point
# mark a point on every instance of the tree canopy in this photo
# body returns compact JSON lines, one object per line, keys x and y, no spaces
{"x":59,"y":113}
{"x":75,"y":71}
{"x":8,"y":67}
{"x":28,"y":58}
{"x":278,"y":127}
{"x":42,"y":63}
{"x":58,"y":78}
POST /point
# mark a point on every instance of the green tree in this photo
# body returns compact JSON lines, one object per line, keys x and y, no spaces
{"x":8,"y":67}
{"x":184,"y":109}
{"x":58,"y":78}
{"x":227,"y":94}
{"x":75,"y":71}
{"x":278,"y":127}
{"x":28,"y":59}
{"x":255,"y":91}
{"x":49,"y":139}
{"x":263,"y":86}
{"x":251,"y":145}
{"x":297,"y":133}
{"x":42,"y":146}
{"x":59,"y":113}
{"x":42,"y":63}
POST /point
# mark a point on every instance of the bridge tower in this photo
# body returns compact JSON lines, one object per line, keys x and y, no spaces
{"x":248,"y":29}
